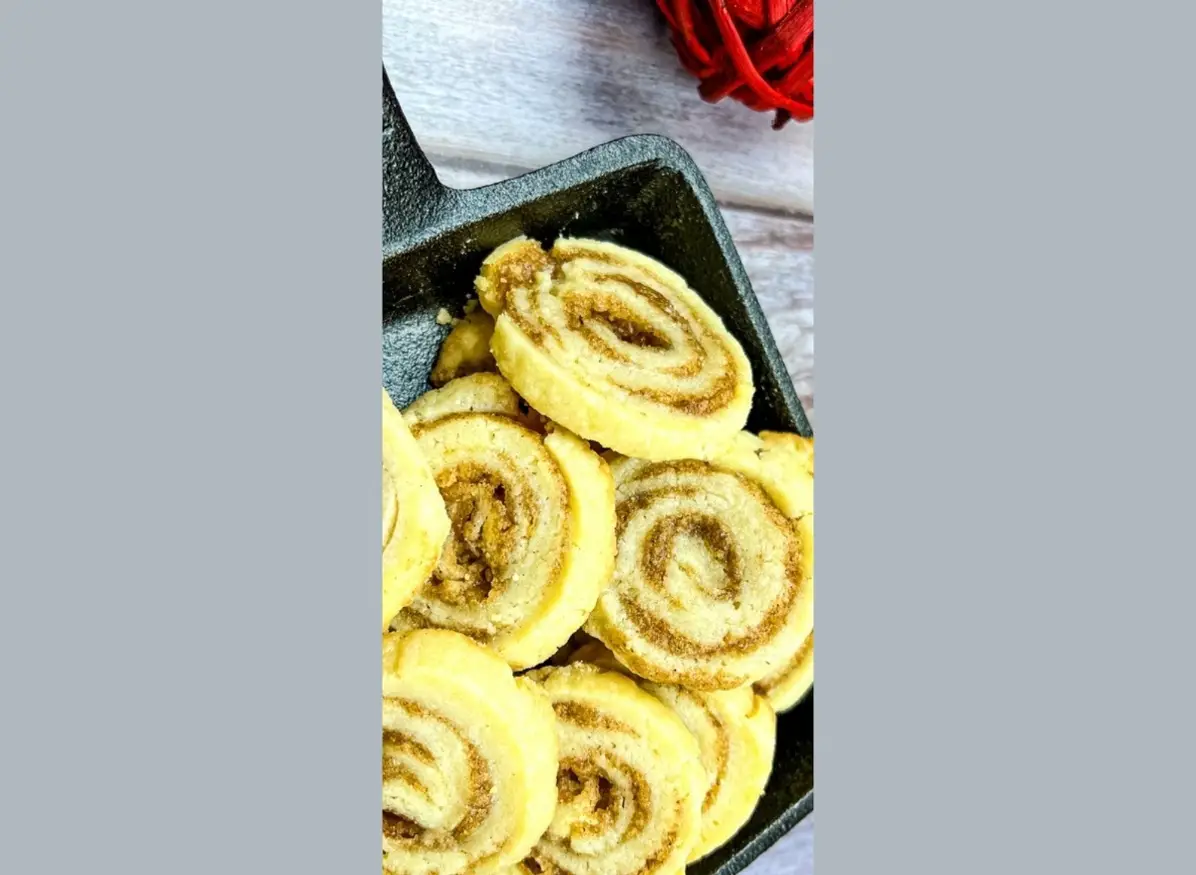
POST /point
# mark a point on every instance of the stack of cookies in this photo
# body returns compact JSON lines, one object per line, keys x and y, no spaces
{"x":597,"y":587}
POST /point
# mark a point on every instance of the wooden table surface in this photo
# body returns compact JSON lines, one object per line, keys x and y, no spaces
{"x":498,"y":88}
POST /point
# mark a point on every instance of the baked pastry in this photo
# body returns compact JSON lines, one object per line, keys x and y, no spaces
{"x":466,"y":350}
{"x":782,"y":463}
{"x":616,"y":347}
{"x":736,"y":732}
{"x":532,"y":542}
{"x":469,"y":758}
{"x":713,"y":583}
{"x":788,"y":685}
{"x":414,"y":522}
{"x":790,"y":458}
{"x":630,"y":782}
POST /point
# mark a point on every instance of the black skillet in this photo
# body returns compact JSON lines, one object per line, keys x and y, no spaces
{"x":644,"y":192}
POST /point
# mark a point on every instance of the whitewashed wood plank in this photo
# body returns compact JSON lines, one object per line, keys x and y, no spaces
{"x":523,"y":83}
{"x":792,"y":855}
{"x":777,"y":252}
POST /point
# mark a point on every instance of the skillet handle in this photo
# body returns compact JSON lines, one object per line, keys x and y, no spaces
{"x":411,"y":193}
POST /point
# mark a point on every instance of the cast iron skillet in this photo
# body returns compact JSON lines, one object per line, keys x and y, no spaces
{"x":644,"y":192}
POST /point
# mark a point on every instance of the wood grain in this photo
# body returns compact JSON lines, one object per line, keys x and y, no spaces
{"x":792,"y":855}
{"x":778,"y":254}
{"x":523,"y":83}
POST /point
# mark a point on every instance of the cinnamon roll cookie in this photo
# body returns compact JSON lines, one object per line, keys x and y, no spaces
{"x":713,"y":582}
{"x":616,"y":347}
{"x":789,"y":458}
{"x":466,"y":350}
{"x":469,"y":758}
{"x":532,"y":541}
{"x":789,"y":684}
{"x":782,"y":463}
{"x":736,"y":732}
{"x":629,"y":785}
{"x":414,"y":522}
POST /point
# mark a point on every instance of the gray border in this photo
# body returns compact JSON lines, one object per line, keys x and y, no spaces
{"x":1004,"y":462}
{"x":189,"y":210}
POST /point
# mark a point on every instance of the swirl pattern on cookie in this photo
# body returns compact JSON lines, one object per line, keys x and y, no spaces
{"x":713,"y":583}
{"x":532,"y":541}
{"x":630,"y":782}
{"x":469,"y":758}
{"x":780,"y":462}
{"x":414,"y":522}
{"x":788,"y":684}
{"x":736,"y":731}
{"x":616,"y":347}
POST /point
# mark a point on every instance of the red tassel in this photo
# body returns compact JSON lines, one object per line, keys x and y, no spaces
{"x":759,"y":52}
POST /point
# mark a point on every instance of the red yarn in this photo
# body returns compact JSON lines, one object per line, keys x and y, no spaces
{"x":759,"y":52}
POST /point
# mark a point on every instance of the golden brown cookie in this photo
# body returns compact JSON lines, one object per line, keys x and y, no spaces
{"x":788,"y":685}
{"x":790,"y":459}
{"x":532,"y":542}
{"x":414,"y":522}
{"x":616,"y":347}
{"x":469,"y":758}
{"x":736,"y":732}
{"x":630,"y":782}
{"x":780,"y":462}
{"x":713,"y":583}
{"x":466,"y":350}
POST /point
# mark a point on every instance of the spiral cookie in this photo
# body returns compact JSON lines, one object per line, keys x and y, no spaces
{"x":466,"y":350}
{"x":785,"y":687}
{"x":736,"y":732}
{"x":414,"y":522}
{"x":788,"y":684}
{"x":533,"y":519}
{"x":469,"y":758}
{"x":781,"y":463}
{"x":616,"y":347}
{"x":629,"y":785}
{"x":794,"y":456}
{"x":713,"y":585}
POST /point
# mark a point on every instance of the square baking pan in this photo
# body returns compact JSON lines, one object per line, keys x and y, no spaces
{"x":644,"y":192}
